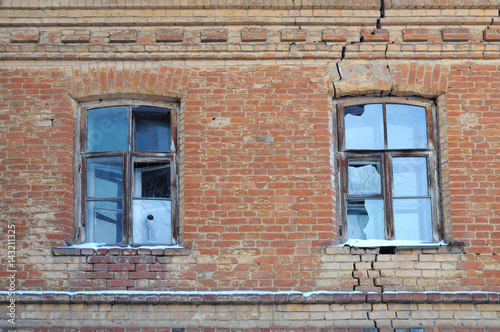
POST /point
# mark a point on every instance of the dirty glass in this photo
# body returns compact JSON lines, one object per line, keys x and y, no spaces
{"x":364,"y":177}
{"x":364,"y":127}
{"x":152,"y":129}
{"x":105,"y":222}
{"x":410,"y":176}
{"x":104,"y":177}
{"x":107,"y":129}
{"x":412,"y":219}
{"x":406,"y":127}
{"x":365,"y":219}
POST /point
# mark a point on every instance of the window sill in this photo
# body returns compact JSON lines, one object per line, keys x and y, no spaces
{"x":90,"y":249}
{"x":400,"y":244}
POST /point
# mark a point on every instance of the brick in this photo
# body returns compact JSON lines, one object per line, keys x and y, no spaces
{"x":293,"y":35}
{"x":491,"y":35}
{"x":334,"y":35}
{"x":169,"y":35}
{"x":124,"y":36}
{"x":377,"y":35}
{"x":75,"y":36}
{"x":415,"y":35}
{"x":214,"y":35}
{"x":253,"y":34}
{"x":455,"y":34}
{"x":25,"y":36}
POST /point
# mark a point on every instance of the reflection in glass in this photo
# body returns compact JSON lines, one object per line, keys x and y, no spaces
{"x":364,"y":177}
{"x":412,"y":219}
{"x":410,"y":176}
{"x":104,"y":177}
{"x":151,"y":221}
{"x":365,"y":219}
{"x":152,"y":179}
{"x":152,"y":133}
{"x":364,"y":127}
{"x":105,"y":222}
{"x":107,"y":129}
{"x":406,"y":127}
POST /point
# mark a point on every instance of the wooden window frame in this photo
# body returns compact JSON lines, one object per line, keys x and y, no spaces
{"x":386,"y":155}
{"x":128,"y":158}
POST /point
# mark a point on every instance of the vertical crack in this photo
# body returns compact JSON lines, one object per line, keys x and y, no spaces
{"x":382,"y":13}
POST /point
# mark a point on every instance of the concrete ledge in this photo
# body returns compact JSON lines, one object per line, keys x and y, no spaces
{"x":250,"y":297}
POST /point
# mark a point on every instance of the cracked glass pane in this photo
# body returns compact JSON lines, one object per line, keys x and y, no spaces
{"x":365,"y":219}
{"x":152,"y":179}
{"x":151,"y":221}
{"x":364,"y":127}
{"x":364,"y":177}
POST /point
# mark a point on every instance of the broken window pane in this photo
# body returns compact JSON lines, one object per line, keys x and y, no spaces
{"x":152,"y":129}
{"x":364,"y":177}
{"x":410,"y":176}
{"x":151,"y":221}
{"x":412,"y":219}
{"x":364,"y":127}
{"x":105,"y":222}
{"x":107,"y":129}
{"x":365,"y":219}
{"x":406,"y":127}
{"x":104,"y":177}
{"x":152,"y":179}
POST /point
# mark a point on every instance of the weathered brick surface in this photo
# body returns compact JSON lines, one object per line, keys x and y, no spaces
{"x":255,"y":81}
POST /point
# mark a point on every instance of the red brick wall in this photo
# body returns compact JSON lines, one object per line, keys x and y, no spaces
{"x":257,"y":83}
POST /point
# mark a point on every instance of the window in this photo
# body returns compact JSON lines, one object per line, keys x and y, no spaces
{"x":128,"y":174}
{"x":387,"y":169}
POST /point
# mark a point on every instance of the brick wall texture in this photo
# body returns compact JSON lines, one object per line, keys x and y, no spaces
{"x":257,"y":83}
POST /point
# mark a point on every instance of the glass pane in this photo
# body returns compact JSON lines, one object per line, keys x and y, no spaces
{"x":107,"y":129}
{"x":365,"y":219}
{"x":412,"y":219}
{"x":410,"y":176}
{"x":364,"y":127}
{"x":406,"y":127}
{"x":151,"y":221}
{"x":105,"y":177}
{"x":104,"y":222}
{"x":152,"y":179}
{"x":152,"y":129}
{"x":364,"y":177}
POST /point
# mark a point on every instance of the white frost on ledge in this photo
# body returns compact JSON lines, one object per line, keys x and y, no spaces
{"x":391,"y":243}
{"x":139,"y":292}
{"x":249,"y":292}
{"x":104,"y":246}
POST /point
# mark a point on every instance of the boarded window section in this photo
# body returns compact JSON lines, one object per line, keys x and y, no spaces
{"x":386,"y":159}
{"x":128,"y":158}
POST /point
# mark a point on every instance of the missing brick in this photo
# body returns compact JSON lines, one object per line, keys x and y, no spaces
{"x":388,"y":250}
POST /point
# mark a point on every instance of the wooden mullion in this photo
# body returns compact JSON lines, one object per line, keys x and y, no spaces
{"x":343,"y":194}
{"x":341,"y":129}
{"x":388,"y":199}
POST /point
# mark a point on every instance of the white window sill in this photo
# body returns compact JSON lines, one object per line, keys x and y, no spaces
{"x":402,"y":244}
